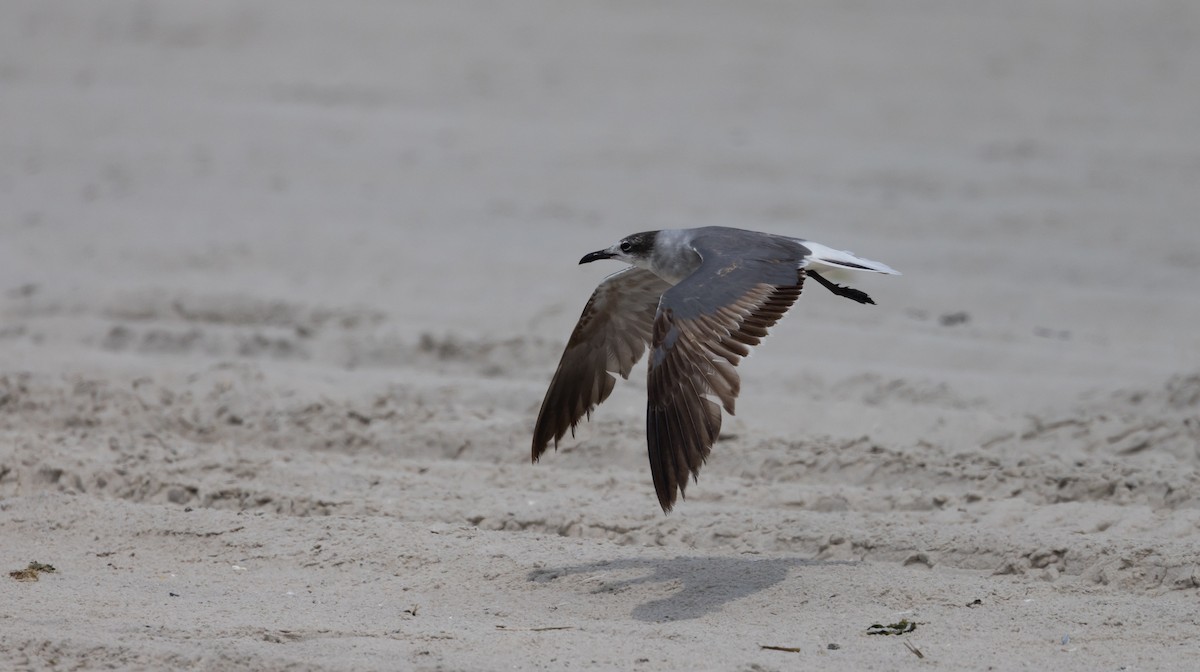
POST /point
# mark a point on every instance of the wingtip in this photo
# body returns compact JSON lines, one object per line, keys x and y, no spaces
{"x":668,"y":499}
{"x":540,"y":446}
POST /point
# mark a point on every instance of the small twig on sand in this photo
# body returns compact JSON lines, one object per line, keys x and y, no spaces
{"x":31,"y":572}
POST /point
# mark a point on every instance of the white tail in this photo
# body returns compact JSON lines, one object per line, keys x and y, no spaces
{"x":827,"y":256}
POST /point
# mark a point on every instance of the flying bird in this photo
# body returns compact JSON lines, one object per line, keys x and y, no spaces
{"x":699,"y":298}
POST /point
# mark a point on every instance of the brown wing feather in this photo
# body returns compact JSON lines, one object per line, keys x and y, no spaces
{"x":611,"y":336}
{"x":693,"y":360}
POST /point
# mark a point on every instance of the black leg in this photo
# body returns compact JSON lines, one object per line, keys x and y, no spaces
{"x":841,"y":290}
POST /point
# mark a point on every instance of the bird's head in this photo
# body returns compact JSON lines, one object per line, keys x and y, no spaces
{"x":635,"y":249}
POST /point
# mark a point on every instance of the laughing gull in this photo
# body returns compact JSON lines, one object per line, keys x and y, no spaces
{"x":699,"y":298}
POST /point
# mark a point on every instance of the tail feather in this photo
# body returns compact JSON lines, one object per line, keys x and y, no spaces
{"x":827,"y":256}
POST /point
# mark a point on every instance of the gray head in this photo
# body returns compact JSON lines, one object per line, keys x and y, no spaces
{"x":635,"y":249}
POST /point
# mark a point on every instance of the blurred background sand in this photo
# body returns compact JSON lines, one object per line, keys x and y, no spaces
{"x":282,"y":284}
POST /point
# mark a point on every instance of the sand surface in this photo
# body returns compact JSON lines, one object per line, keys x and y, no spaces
{"x":282,"y":284}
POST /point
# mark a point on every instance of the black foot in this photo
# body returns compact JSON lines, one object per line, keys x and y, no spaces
{"x":841,"y":290}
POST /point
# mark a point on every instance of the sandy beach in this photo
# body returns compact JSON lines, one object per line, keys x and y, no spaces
{"x":282,"y":284}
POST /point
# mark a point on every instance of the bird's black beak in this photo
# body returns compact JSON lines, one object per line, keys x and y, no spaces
{"x":594,"y":256}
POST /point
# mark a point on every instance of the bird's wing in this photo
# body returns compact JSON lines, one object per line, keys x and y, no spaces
{"x":611,"y":336}
{"x":704,"y":326}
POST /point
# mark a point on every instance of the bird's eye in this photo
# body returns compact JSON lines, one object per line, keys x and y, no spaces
{"x":626,"y":246}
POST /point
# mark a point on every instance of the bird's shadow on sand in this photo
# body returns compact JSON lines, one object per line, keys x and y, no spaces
{"x":708,"y":583}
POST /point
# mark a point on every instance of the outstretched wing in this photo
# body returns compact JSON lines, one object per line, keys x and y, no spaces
{"x":704,"y":326}
{"x":610,"y":337}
